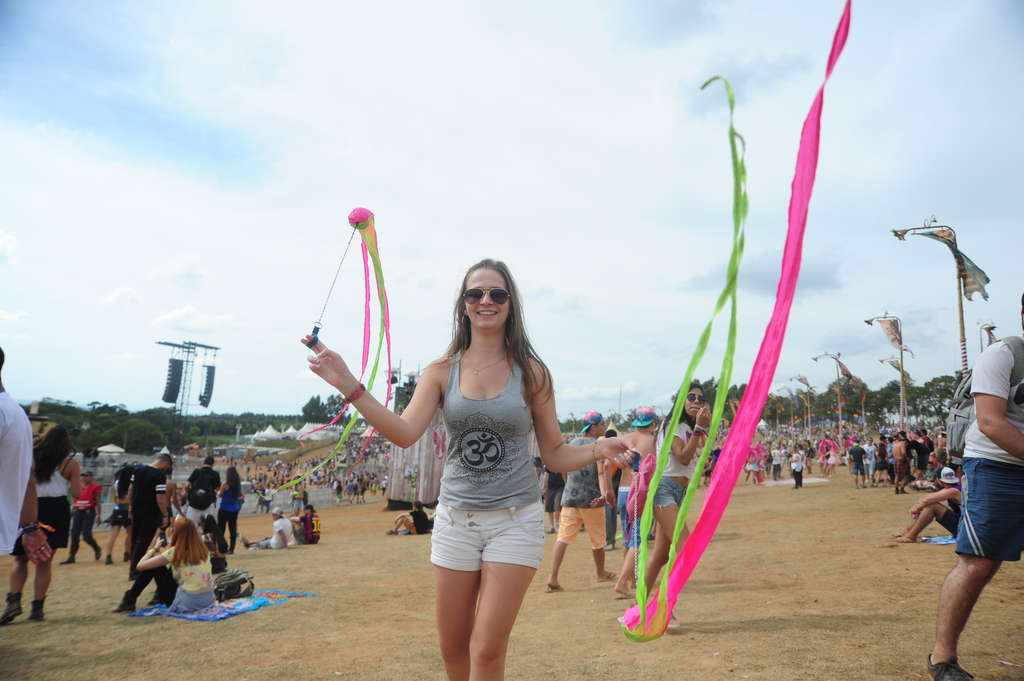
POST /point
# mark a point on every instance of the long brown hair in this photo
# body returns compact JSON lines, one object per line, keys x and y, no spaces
{"x":518,"y":348}
{"x":189,"y":548}
{"x":49,"y":450}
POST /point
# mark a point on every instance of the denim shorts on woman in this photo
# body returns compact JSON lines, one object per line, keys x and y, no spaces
{"x":463,"y":540}
{"x":670,"y":493}
{"x":992,"y":520}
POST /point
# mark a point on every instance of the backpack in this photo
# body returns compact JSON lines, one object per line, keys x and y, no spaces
{"x":233,"y":584}
{"x":200,"y":495}
{"x":961,"y":405}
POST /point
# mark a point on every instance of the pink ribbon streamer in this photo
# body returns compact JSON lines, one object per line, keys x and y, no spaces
{"x":737,"y":445}
{"x":366,"y":316}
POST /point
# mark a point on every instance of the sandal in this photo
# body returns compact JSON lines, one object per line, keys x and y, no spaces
{"x":552,"y":588}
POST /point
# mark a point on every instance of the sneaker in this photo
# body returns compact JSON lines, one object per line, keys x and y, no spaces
{"x":609,"y":547}
{"x":948,"y":671}
{"x":99,"y":554}
{"x":109,"y":561}
{"x":550,"y":530}
{"x":70,"y":560}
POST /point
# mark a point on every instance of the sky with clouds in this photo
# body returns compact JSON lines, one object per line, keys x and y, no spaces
{"x":182,"y":171}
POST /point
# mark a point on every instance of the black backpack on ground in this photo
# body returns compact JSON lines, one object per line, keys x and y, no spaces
{"x":233,"y":584}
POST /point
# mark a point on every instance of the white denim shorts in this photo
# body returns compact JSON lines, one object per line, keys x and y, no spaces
{"x":462,"y":540}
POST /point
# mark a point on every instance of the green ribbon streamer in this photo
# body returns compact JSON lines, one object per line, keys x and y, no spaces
{"x":740,"y":208}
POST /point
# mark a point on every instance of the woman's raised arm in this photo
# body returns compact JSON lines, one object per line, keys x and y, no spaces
{"x":402,"y":430}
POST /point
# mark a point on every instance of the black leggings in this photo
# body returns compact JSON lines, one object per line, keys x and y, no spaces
{"x":81,"y":525}
{"x":798,"y":479}
{"x":166,"y":587}
{"x":228,"y":519}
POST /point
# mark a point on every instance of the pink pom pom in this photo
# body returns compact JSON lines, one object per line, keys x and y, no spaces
{"x":360,"y":218}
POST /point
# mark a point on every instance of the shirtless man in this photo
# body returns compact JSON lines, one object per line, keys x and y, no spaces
{"x":901,"y":465}
{"x":640,"y":441}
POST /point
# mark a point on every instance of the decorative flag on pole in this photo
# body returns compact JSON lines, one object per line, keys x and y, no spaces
{"x":895,"y":364}
{"x":845,"y":371}
{"x":973,"y":277}
{"x":803,"y":379}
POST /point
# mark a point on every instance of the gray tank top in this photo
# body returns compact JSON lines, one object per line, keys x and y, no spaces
{"x":488,"y":464}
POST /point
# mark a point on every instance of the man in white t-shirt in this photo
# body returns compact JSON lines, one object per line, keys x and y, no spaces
{"x":991,"y":526}
{"x":15,"y":465}
{"x":18,"y":505}
{"x":282,"y":538}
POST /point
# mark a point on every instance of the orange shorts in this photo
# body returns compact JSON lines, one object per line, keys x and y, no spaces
{"x":572,"y":519}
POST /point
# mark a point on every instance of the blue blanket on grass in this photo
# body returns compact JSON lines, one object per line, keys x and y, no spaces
{"x":939,"y":540}
{"x":228,"y":608}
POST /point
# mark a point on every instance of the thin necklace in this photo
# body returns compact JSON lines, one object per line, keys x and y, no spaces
{"x":476,"y":372}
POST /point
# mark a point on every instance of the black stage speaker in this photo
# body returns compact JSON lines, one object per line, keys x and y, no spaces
{"x":173,"y":385}
{"x":204,"y":397}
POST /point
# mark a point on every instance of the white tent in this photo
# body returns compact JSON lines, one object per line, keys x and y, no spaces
{"x":268,"y":433}
{"x":164,"y":450}
{"x":110,"y":449}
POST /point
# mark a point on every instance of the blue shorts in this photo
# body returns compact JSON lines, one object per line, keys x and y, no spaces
{"x":992,"y":521}
{"x":628,"y":529}
{"x":669,"y":493}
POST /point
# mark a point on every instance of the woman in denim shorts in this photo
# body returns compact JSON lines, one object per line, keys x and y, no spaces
{"x":488,"y":534}
{"x":687,"y":441}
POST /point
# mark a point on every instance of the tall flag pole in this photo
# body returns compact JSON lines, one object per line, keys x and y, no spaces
{"x":839,"y":394}
{"x":970,"y":278}
{"x":892,"y":327}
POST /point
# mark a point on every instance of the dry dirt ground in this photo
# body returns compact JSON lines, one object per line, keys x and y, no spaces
{"x":796,"y":585}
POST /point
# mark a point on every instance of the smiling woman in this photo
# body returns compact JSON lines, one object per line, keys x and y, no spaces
{"x":488,"y":532}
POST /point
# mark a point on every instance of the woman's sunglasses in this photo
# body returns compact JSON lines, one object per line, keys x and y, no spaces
{"x":694,"y":397}
{"x":499,"y":296}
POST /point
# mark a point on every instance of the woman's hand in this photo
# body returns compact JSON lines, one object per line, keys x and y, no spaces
{"x":613,"y":450}
{"x":329,"y":366}
{"x":703,"y":417}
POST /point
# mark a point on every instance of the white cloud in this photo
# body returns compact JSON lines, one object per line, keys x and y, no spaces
{"x":122,"y":295}
{"x":188,"y":318}
{"x":6,"y":316}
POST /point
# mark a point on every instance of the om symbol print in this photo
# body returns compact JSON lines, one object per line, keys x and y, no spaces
{"x":481,"y":449}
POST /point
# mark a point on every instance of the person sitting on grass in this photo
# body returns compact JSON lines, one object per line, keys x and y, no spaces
{"x":414,"y":522}
{"x":929,"y":508}
{"x":181,"y":570}
{"x":215,"y":544}
{"x":282,"y":538}
{"x":929,"y":483}
{"x":306,"y":527}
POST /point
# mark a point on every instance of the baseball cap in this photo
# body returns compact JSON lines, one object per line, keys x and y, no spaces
{"x":591,"y":418}
{"x":644,"y":416}
{"x":277,"y":511}
{"x":948,"y":476}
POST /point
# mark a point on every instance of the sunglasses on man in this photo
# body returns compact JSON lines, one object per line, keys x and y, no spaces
{"x":499,"y":296}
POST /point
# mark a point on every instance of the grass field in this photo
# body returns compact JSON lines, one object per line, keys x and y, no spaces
{"x":796,"y":585}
